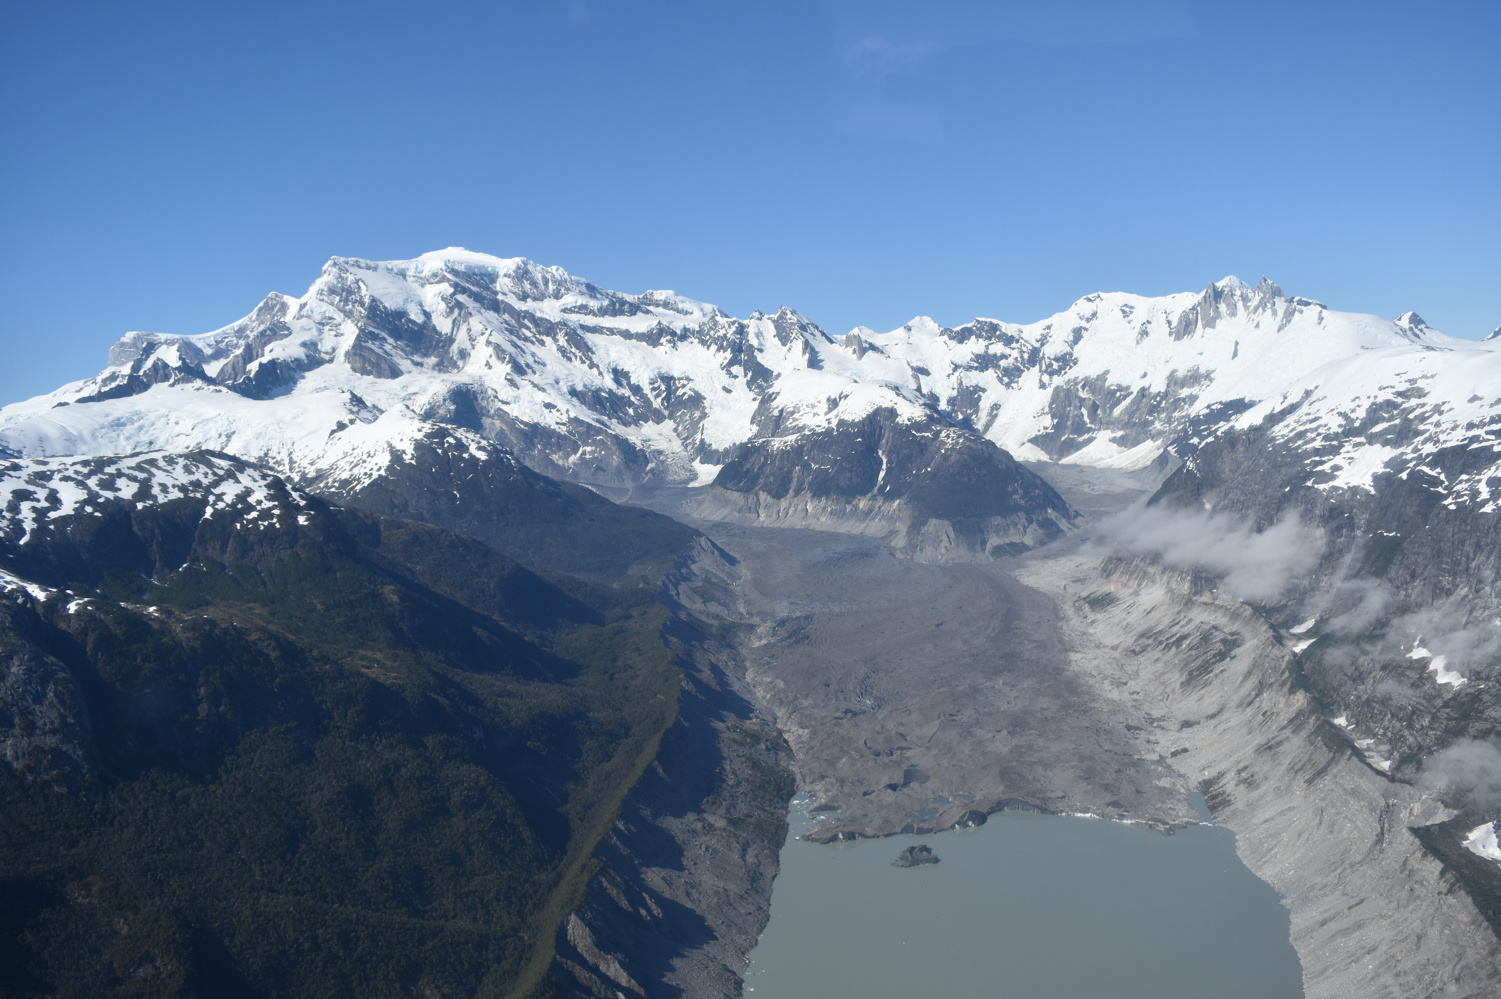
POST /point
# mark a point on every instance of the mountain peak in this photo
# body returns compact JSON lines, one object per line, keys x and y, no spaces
{"x":1413,"y":326}
{"x":1269,"y":287}
{"x":453,"y":258}
{"x":459,"y":254}
{"x":519,"y":277}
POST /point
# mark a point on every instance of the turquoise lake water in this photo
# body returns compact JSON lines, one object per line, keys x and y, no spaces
{"x":1026,"y":906}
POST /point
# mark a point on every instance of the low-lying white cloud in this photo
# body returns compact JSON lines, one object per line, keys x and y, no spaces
{"x":1253,"y":565}
{"x":1468,"y":773}
{"x":1348,"y":607}
{"x":1450,"y":631}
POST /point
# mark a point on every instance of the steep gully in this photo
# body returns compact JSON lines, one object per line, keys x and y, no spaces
{"x":914,"y":697}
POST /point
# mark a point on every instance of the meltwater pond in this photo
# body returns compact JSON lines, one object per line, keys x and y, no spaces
{"x":1027,"y":906}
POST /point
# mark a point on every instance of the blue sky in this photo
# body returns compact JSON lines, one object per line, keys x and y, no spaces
{"x":165,"y":166}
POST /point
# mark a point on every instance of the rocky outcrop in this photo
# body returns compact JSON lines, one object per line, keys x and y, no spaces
{"x":932,"y":491}
{"x":45,"y":732}
{"x":1392,"y":626}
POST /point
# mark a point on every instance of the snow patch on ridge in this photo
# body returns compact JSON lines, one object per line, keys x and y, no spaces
{"x":1482,"y":842}
{"x":16,"y":585}
{"x":1438,"y":666}
{"x":36,"y":491}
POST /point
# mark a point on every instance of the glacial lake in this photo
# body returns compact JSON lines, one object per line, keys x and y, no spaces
{"x":1026,"y":906}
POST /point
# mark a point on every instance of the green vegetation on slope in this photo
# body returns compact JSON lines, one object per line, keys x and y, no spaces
{"x":351,"y":756}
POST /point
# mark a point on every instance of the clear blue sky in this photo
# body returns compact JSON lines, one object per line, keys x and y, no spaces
{"x":165,"y":166}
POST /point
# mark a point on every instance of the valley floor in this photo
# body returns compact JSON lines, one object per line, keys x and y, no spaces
{"x":915,"y":697}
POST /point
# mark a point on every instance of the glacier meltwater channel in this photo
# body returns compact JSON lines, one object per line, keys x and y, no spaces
{"x":1026,"y":905}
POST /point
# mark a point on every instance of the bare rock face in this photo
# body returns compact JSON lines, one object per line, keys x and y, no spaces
{"x":915,"y":856}
{"x":44,"y":722}
{"x":934,"y":491}
{"x":1212,"y":689}
{"x":1403,"y":565}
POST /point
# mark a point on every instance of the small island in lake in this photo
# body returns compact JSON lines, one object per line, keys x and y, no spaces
{"x":915,"y":856}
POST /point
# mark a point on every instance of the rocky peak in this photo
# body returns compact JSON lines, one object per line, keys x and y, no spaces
{"x":1216,"y":301}
{"x":1227,"y":298}
{"x":1266,"y":295}
{"x":1412,"y":325}
{"x":532,"y":282}
{"x":793,"y":328}
{"x":136,"y":345}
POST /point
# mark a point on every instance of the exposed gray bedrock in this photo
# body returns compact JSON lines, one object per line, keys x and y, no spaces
{"x":1373,"y":913}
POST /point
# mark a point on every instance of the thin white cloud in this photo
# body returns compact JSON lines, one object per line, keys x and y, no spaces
{"x":1468,"y":773}
{"x":1253,"y":565}
{"x":874,"y":55}
{"x":1351,"y":606}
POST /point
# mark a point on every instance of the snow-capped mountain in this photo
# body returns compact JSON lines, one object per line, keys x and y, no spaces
{"x":39,"y":494}
{"x":623,"y":390}
{"x":1389,"y":463}
{"x":606,"y":387}
{"x":1117,"y":377}
{"x":1422,"y":412}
